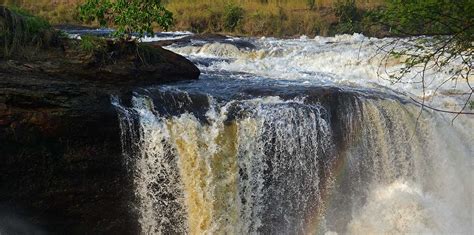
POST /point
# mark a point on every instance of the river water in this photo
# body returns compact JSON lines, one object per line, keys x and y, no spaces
{"x":298,"y":136}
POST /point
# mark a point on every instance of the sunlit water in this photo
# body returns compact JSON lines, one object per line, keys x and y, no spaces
{"x":256,"y":147}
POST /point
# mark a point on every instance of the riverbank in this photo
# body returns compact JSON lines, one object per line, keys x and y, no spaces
{"x":30,"y":42}
{"x":250,"y":18}
{"x":276,"y":18}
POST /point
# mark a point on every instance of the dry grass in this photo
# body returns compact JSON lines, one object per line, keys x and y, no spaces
{"x":275,"y":17}
{"x":260,"y":17}
{"x":55,"y":11}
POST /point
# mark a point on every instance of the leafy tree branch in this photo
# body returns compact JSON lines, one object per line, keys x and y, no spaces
{"x":447,"y":43}
{"x":127,"y":16}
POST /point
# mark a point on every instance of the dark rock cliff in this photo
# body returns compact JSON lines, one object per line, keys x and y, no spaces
{"x":61,"y":166}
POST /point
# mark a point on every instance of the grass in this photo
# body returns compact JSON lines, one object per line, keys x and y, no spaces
{"x":242,"y":17}
{"x":55,"y":11}
{"x":21,"y":32}
{"x":262,"y":17}
{"x":92,"y":44}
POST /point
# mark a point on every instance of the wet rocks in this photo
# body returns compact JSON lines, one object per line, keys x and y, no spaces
{"x":61,"y":168}
{"x":202,"y":39}
{"x":61,"y":165}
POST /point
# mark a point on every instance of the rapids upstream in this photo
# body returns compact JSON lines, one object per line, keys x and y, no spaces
{"x":297,"y":136}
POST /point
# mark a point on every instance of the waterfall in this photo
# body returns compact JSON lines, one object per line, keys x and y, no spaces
{"x":404,"y":173}
{"x":270,"y":165}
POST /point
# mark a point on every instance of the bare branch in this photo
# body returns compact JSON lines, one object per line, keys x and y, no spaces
{"x":441,"y":110}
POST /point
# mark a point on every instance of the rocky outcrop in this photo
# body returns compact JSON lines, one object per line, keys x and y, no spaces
{"x":202,"y":39}
{"x":32,"y":43}
{"x":61,"y":165}
{"x":120,"y":63}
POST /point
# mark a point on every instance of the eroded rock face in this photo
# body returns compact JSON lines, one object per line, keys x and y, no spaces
{"x":61,"y":167}
{"x":119,"y":67}
{"x":61,"y":164}
{"x":121,"y":62}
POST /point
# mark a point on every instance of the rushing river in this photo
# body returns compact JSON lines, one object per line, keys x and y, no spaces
{"x":297,"y":136}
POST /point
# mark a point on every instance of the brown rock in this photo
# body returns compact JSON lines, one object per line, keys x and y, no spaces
{"x":61,"y":165}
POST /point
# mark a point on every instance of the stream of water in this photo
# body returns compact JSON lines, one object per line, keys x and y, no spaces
{"x":297,"y":136}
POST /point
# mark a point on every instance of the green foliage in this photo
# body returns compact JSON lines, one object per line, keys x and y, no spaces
{"x":91,"y":44}
{"x":101,"y":51}
{"x":128,"y":16}
{"x":348,"y":15}
{"x":370,"y":23}
{"x":33,"y":24}
{"x":450,"y":25}
{"x":233,"y":14}
{"x":430,"y":17}
{"x":346,"y":10}
{"x":19,"y":29}
{"x":311,"y":4}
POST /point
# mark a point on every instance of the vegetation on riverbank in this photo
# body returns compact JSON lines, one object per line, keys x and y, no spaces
{"x":449,"y":49}
{"x":55,"y":11}
{"x":127,"y":17}
{"x":25,"y":36}
{"x":22,"y":33}
{"x":28,"y":44}
{"x":243,"y":17}
{"x":275,"y":17}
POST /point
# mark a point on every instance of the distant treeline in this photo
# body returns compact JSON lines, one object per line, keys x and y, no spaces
{"x":243,"y":17}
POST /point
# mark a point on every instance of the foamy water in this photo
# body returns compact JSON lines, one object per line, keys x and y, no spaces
{"x":344,"y":59}
{"x":269,"y":165}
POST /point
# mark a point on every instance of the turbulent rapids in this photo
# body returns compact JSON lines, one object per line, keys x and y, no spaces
{"x":248,"y":150}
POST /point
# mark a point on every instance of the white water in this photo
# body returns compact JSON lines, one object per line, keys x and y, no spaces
{"x":421,"y":181}
{"x":166,"y":36}
{"x":213,"y":159}
{"x":402,"y":173}
{"x":397,"y":181}
{"x":342,"y":60}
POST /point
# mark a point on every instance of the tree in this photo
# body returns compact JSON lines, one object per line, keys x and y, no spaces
{"x":447,"y":30}
{"x":127,"y":16}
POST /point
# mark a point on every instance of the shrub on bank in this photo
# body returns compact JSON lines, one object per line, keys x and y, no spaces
{"x":20,"y":32}
{"x":233,"y":15}
{"x":127,"y":16}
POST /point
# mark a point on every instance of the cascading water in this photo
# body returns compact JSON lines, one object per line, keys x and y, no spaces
{"x":404,"y":176}
{"x":271,"y":166}
{"x":237,"y":153}
{"x":231,"y":174}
